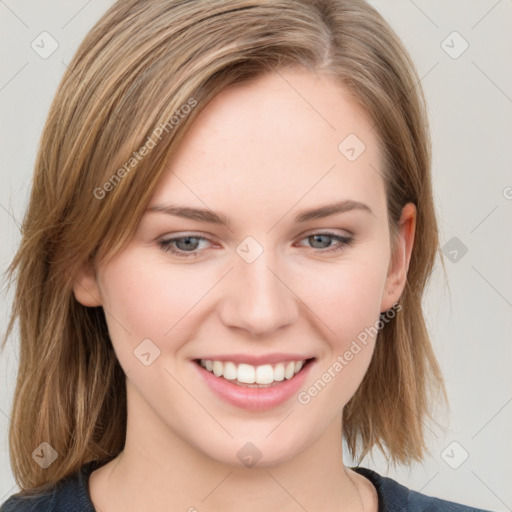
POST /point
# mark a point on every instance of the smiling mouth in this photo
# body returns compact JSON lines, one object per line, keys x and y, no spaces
{"x":246,"y":375}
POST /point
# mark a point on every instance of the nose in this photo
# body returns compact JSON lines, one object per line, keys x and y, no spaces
{"x":258,"y":299}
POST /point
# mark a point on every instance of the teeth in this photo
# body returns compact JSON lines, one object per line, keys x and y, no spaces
{"x":248,"y":374}
{"x":230,"y":371}
{"x":289,"y":371}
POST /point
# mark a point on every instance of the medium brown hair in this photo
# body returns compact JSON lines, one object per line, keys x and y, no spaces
{"x":134,"y":71}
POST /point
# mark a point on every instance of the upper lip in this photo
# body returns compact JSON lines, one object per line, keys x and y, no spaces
{"x":257,"y":360}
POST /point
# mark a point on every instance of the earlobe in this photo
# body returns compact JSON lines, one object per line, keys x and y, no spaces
{"x":85,"y":286}
{"x":399,"y":265}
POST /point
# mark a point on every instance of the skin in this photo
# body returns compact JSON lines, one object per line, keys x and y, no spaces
{"x":260,"y":154}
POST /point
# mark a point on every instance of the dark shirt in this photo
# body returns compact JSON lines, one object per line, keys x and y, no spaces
{"x":71,"y":494}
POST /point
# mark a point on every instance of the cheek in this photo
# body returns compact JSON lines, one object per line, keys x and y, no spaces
{"x":347,"y":300}
{"x":145,"y":299}
{"x":346,"y":296}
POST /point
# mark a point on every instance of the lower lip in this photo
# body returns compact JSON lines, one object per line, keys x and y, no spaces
{"x":255,"y":399}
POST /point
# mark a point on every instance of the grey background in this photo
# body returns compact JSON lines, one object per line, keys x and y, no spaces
{"x":470,"y":106}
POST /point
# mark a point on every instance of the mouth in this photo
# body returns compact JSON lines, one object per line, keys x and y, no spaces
{"x":249,"y":376}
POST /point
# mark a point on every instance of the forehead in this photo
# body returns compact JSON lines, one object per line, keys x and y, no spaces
{"x":270,"y":142}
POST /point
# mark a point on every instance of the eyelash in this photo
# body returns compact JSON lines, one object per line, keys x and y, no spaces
{"x":165,"y":245}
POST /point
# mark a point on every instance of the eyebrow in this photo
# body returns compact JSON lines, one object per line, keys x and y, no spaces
{"x":210,"y":216}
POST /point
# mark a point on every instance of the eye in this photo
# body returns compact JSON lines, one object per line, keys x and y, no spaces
{"x":186,"y":246}
{"x":323,"y":242}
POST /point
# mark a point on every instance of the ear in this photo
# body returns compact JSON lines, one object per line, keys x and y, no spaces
{"x":85,"y":286}
{"x":399,"y":264}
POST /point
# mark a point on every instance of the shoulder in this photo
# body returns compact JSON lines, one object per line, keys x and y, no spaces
{"x":18,"y":503}
{"x":395,"y":497}
{"x":68,"y":495}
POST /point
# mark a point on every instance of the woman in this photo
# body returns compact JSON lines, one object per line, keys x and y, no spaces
{"x":230,"y":230}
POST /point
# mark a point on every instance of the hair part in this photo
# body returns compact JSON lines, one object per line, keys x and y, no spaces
{"x":136,"y":68}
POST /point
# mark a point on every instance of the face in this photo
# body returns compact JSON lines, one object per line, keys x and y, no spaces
{"x":259,"y":282}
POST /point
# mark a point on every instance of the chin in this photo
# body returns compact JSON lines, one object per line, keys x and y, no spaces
{"x":252,"y":452}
